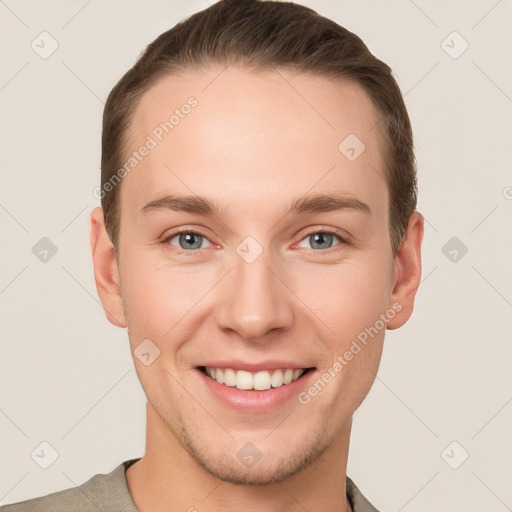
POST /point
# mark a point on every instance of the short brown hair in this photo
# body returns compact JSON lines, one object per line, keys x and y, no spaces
{"x":262,"y":35}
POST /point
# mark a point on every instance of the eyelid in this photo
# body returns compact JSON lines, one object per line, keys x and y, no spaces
{"x":181,"y":231}
{"x":324,"y":229}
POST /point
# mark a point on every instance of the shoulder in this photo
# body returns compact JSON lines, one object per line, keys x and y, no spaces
{"x":357,"y":499}
{"x":99,"y":491}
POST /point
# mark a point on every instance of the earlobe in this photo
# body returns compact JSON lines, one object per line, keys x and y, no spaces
{"x":408,"y":272}
{"x":106,"y":272}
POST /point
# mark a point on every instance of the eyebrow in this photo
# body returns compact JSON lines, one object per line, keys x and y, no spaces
{"x":312,"y":203}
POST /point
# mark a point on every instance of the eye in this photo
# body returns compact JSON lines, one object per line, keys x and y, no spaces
{"x":188,"y":241}
{"x":322,"y":239}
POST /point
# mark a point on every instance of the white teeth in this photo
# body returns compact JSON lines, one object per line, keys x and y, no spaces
{"x":229,"y":377}
{"x":259,"y":380}
{"x":244,"y":379}
{"x":262,"y":381}
{"x":277,"y":379}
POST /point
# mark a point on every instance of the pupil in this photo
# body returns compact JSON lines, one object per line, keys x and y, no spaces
{"x":320,"y":238}
{"x":189,"y":238}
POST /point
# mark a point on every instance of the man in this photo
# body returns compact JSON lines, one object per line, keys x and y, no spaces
{"x":257,"y":236}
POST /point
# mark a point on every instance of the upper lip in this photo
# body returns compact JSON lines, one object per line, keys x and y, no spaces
{"x":238,"y":364}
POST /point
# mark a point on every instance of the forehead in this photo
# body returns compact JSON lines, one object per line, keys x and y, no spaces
{"x":233,"y":132}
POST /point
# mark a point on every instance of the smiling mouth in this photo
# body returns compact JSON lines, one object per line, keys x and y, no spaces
{"x":258,"y":381}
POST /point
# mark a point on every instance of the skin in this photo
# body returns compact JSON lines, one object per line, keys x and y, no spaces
{"x":253,"y":144}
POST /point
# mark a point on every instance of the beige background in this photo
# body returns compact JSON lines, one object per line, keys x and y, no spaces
{"x":67,"y":376}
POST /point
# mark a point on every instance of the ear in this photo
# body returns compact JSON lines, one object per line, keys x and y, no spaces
{"x":106,"y":272}
{"x":407,"y":272}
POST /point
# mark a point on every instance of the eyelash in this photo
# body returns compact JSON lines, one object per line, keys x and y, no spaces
{"x":326,"y":231}
{"x":331,"y":231}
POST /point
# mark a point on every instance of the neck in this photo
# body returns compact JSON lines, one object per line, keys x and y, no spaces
{"x":167,"y":478}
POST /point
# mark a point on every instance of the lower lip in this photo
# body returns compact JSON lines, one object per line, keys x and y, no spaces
{"x":253,"y":400}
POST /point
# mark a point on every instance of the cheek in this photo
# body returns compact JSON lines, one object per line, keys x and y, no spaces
{"x":347,"y":297}
{"x":354,"y":296}
{"x":159,"y":296}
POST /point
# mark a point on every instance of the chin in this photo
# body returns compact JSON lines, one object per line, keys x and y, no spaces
{"x":249,"y":466}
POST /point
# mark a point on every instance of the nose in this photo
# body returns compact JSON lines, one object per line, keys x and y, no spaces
{"x":255,"y":301}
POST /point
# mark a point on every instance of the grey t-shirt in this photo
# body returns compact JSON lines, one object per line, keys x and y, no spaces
{"x":109,"y":493}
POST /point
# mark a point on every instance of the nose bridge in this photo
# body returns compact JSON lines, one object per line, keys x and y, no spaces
{"x":255,"y":301}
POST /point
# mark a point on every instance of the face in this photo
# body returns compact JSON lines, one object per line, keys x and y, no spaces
{"x":252,"y":248}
